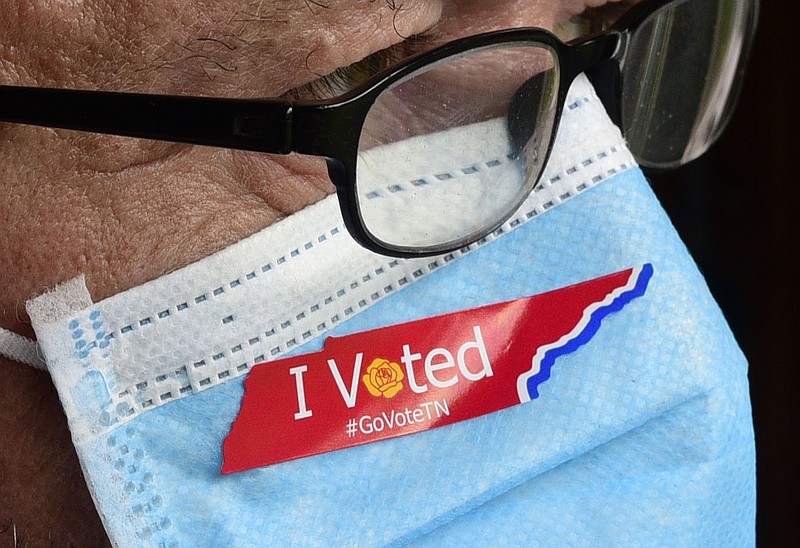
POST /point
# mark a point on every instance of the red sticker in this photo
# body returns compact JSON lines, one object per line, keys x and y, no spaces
{"x":419,"y":375}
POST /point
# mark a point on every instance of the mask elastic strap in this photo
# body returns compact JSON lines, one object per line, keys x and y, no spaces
{"x":20,"y":349}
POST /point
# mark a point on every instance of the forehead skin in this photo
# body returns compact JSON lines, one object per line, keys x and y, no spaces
{"x":125,"y":211}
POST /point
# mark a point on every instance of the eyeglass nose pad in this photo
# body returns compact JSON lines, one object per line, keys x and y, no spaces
{"x":605,"y":79}
{"x":523,"y":113}
{"x":337,"y":171}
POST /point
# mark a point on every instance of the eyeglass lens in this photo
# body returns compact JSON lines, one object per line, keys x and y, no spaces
{"x":450,"y":152}
{"x":679,"y":81}
{"x":455,"y":148}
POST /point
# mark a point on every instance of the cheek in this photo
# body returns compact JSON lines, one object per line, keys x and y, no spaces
{"x":286,"y":183}
{"x":107,"y":154}
{"x":124,"y":228}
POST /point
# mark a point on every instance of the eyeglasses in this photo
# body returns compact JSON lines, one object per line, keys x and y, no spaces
{"x":668,"y":73}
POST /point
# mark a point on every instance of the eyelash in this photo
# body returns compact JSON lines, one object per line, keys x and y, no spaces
{"x":343,"y":79}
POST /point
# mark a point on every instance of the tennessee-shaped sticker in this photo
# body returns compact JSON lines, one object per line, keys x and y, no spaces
{"x":419,"y":375}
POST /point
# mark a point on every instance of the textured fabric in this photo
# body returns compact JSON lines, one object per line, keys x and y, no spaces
{"x":641,"y":437}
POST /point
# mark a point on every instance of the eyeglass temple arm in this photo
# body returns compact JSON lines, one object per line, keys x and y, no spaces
{"x":260,"y":125}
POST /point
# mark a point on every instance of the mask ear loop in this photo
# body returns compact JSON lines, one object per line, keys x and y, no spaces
{"x":20,"y":349}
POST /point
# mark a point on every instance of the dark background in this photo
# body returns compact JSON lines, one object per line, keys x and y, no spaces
{"x":736,"y":210}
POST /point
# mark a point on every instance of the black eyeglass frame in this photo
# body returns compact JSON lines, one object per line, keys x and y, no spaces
{"x":329,"y":128}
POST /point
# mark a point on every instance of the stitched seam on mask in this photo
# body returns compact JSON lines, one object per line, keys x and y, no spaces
{"x":277,"y":351}
{"x":438,"y":178}
{"x":222,"y":290}
{"x":269,"y":265}
{"x":583,"y":185}
{"x":285,"y":345}
{"x":309,"y":313}
{"x":325,"y":314}
{"x":455,"y":173}
{"x":325,"y":325}
{"x":143,"y":506}
{"x":577,"y":103}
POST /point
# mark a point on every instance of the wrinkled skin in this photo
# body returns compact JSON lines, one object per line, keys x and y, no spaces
{"x":125,"y":211}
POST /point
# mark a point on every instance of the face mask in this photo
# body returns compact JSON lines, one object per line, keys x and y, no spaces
{"x":640,"y":433}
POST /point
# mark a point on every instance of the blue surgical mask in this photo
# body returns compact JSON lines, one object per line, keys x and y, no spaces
{"x":640,"y":435}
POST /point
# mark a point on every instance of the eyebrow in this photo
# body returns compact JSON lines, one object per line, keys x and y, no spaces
{"x":343,"y":79}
